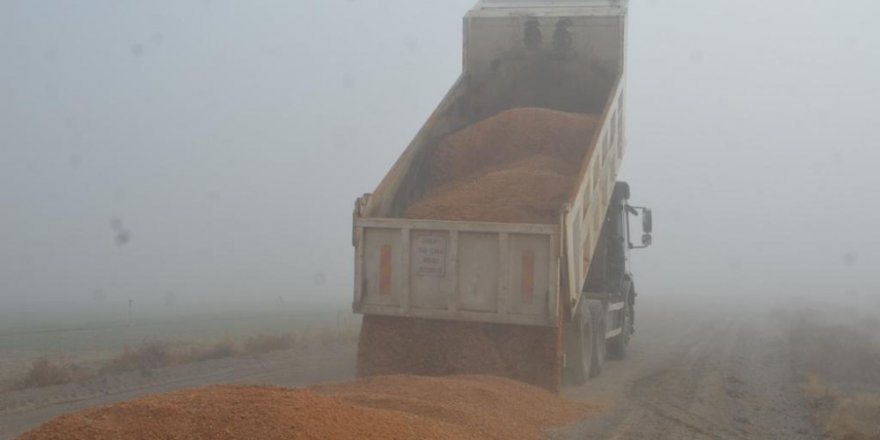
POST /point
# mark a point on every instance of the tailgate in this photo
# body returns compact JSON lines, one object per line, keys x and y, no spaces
{"x":482,"y":272}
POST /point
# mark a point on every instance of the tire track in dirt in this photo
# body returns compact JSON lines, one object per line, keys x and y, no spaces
{"x":719,"y":376}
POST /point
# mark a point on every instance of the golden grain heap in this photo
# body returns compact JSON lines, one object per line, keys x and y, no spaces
{"x":518,"y":166}
{"x":390,"y":407}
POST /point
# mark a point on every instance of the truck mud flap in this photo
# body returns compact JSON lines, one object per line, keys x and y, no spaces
{"x":394,"y":345}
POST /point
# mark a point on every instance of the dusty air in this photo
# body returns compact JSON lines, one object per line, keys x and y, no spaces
{"x":471,"y":219}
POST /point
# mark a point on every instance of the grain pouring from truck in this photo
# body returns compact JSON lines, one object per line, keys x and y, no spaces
{"x":499,"y":241}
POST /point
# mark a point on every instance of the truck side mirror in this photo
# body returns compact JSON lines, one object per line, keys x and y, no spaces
{"x":647,"y":225}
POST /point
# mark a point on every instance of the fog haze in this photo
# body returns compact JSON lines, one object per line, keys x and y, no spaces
{"x":214,"y":149}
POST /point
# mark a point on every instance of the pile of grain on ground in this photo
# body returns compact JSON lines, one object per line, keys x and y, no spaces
{"x":237,"y":412}
{"x":396,"y":407}
{"x":486,"y":406}
{"x":517,"y":166}
{"x":392,"y":345}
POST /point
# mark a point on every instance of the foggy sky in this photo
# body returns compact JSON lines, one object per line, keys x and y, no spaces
{"x":230,"y":140}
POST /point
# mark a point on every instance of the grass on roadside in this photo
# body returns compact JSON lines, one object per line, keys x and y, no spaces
{"x":841,"y":365}
{"x":46,"y":372}
{"x":842,"y":415}
{"x":153,"y":355}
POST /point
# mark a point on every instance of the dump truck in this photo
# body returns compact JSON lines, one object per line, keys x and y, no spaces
{"x":542,"y":303}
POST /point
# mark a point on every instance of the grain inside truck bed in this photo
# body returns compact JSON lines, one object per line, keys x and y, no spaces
{"x":518,"y":166}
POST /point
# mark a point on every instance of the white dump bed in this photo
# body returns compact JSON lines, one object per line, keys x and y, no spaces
{"x":500,"y":272}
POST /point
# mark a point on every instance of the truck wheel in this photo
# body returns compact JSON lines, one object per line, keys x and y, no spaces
{"x":582,"y":346}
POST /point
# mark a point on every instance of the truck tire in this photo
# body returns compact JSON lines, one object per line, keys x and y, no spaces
{"x":584,"y":344}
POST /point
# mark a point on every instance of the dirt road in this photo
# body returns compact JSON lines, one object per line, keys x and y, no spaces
{"x":723,"y":375}
{"x":691,"y":373}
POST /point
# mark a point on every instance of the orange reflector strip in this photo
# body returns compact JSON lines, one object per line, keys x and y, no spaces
{"x":385,"y":271}
{"x":528,"y":276}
